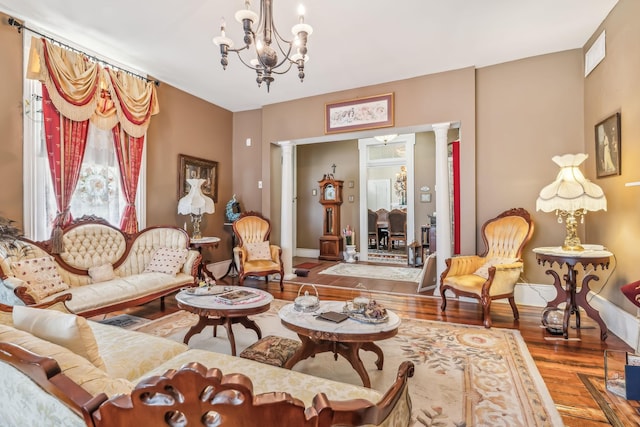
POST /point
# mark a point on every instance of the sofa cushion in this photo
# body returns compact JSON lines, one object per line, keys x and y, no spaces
{"x":117,"y":345}
{"x":258,"y":251}
{"x":40,"y":275}
{"x":121,"y":290}
{"x":101,"y":273}
{"x":19,"y":392}
{"x":167,"y":261}
{"x":77,"y":368}
{"x":65,"y":329}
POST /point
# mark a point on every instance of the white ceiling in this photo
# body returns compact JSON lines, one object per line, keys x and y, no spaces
{"x":355,"y":43}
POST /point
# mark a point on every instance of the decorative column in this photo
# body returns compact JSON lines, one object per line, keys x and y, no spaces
{"x":443,"y":200}
{"x":286,"y":209}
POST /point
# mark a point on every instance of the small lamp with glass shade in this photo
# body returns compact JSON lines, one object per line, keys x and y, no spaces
{"x":195,"y":203}
{"x":571,"y":196}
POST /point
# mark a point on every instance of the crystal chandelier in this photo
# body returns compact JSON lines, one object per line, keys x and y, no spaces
{"x":265,"y":63}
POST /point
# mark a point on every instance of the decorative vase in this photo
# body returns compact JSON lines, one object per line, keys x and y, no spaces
{"x":350,"y":253}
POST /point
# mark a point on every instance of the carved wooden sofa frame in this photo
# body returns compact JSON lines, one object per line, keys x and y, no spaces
{"x":201,"y":396}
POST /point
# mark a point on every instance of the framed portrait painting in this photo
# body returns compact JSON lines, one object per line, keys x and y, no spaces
{"x":359,"y":114}
{"x":194,"y":167}
{"x":608,"y":150}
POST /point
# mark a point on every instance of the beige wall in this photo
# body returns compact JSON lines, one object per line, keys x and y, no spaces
{"x":528,"y":111}
{"x":614,"y":86}
{"x":313,"y":161}
{"x":191,"y":126}
{"x":11,"y":122}
{"x":247,"y":167}
{"x":425,"y":175}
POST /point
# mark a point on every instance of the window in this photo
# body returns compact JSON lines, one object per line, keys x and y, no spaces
{"x":99,"y":187}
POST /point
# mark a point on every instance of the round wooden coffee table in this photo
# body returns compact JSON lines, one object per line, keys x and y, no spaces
{"x":214,"y":312}
{"x":345,"y":338}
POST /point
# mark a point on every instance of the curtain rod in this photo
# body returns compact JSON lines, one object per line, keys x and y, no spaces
{"x":14,"y":23}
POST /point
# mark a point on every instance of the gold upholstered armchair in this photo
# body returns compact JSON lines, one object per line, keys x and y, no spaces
{"x":494,"y":274}
{"x":254,"y":254}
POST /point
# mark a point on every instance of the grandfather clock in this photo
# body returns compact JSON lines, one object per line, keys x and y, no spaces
{"x":331,"y":243}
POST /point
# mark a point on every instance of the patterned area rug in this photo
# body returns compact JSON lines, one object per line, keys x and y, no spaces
{"x":465,"y":375}
{"x":404,"y":274}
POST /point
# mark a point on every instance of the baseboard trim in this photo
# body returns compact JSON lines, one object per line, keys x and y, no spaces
{"x":307,"y":253}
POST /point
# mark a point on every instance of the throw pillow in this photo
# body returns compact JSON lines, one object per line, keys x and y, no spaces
{"x":483,"y":271}
{"x":40,"y":275}
{"x":74,"y":366}
{"x":167,"y":261}
{"x":67,"y":330}
{"x":101,"y":273}
{"x":258,"y":250}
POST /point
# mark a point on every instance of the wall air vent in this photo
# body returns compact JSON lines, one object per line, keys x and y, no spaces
{"x":595,"y":54}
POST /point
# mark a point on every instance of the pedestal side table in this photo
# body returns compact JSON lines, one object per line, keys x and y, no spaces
{"x":593,"y":256}
{"x":232,"y":271}
{"x":198,"y":244}
{"x":214,"y":312}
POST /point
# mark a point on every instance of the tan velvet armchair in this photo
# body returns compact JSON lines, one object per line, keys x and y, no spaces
{"x":254,"y":254}
{"x":494,"y":274}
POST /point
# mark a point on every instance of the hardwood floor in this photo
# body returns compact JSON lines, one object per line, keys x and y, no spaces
{"x":558,"y":360}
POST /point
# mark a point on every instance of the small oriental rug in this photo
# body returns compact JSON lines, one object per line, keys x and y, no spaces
{"x":126,"y":321}
{"x":464,"y":375}
{"x":404,"y":274}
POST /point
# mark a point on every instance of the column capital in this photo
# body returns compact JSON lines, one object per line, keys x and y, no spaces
{"x":285,"y":144}
{"x":440,"y":129}
{"x":444,"y":125}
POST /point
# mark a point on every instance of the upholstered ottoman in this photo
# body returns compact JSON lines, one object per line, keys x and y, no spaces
{"x":272,"y":350}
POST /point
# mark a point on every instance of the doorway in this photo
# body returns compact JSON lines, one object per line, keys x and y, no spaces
{"x":386,"y":174}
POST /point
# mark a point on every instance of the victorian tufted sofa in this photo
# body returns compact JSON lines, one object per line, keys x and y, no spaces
{"x":101,"y":267}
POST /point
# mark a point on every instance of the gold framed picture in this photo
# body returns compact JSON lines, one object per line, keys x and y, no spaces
{"x":194,"y":167}
{"x":359,"y":114}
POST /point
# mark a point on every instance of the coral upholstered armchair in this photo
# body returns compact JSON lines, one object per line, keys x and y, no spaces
{"x":255,"y":255}
{"x":494,"y":274}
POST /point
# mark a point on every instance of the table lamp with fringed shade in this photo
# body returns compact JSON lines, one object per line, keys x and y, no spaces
{"x":195,"y":203}
{"x":571,"y":196}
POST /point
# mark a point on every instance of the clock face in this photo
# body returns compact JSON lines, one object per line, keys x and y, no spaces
{"x":329,"y":192}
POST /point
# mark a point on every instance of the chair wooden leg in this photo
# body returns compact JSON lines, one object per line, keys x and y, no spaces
{"x":514,"y":308}
{"x":443,"y":307}
{"x":486,"y":314}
